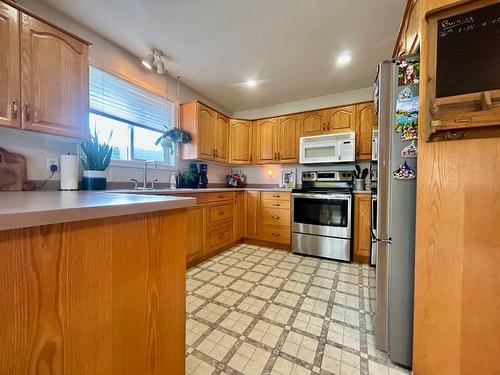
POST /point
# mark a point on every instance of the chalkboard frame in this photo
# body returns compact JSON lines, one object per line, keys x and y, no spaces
{"x":471,"y":115}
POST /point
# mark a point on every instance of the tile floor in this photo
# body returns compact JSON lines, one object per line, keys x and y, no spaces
{"x":254,"y":310}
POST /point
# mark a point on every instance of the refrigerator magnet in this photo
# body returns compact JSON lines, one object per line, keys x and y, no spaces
{"x":409,"y":134}
{"x":406,"y":110}
{"x":410,"y":151}
{"x":408,"y":71}
{"x":404,"y":172}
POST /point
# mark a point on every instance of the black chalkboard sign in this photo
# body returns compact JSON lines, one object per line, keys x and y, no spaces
{"x":468,"y":52}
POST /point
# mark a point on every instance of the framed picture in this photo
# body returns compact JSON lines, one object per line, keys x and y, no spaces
{"x":288,"y":178}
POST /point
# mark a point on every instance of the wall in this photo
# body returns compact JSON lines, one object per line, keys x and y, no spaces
{"x":259,"y":174}
{"x":37,"y":148}
{"x":457,"y":261}
{"x":332,"y":100}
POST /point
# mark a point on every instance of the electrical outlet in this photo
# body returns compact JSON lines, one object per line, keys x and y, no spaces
{"x":52,"y":161}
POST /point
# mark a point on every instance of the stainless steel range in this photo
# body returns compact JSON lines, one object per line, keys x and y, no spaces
{"x":322,"y":215}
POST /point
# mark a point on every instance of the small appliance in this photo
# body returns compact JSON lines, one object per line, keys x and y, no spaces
{"x":327,"y":149}
{"x":69,"y":171}
{"x":322,"y":215}
{"x":202,"y":175}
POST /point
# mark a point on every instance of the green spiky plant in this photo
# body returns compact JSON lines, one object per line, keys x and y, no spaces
{"x":97,"y":156}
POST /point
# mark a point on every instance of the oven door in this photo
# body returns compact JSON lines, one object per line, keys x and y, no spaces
{"x":322,"y":214}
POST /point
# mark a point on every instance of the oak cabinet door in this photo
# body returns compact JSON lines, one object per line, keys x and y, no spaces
{"x":196,"y":234}
{"x":222,"y":138}
{"x":238,"y":218}
{"x":288,"y":139}
{"x":252,"y":215}
{"x":10,"y":79}
{"x":340,"y":119}
{"x":206,"y":132}
{"x":266,"y":141}
{"x":240,"y":141}
{"x":54,"y":80}
{"x":362,"y":227}
{"x":313,"y":123}
{"x":365,"y":122}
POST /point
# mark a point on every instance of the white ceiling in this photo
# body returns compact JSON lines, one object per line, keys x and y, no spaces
{"x":289,"y":46}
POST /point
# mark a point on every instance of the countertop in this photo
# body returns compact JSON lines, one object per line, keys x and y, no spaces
{"x":32,"y":208}
{"x":184,"y":191}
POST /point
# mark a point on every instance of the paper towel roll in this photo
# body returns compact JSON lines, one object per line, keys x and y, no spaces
{"x":69,"y":172}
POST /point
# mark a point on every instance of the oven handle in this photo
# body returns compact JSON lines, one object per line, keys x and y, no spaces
{"x":375,"y":239}
{"x":323,"y":196}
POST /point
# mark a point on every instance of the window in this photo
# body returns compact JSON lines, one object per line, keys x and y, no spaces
{"x":133,"y":116}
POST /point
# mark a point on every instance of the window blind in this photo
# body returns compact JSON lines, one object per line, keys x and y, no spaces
{"x":120,"y":99}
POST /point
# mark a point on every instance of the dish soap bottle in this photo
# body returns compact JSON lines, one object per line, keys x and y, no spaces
{"x":173,"y":184}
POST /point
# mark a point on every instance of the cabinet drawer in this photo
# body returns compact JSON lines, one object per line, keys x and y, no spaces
{"x":276,"y":195}
{"x":276,"y":234}
{"x":200,"y":198}
{"x":220,"y":236}
{"x":218,"y":212}
{"x":271,"y":203}
{"x":275,"y":216}
{"x":220,"y":196}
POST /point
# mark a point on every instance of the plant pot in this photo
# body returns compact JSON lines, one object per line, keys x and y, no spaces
{"x":359,"y":184}
{"x":94,"y":180}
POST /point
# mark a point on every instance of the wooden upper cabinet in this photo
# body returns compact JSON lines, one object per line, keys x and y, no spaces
{"x":408,"y":41}
{"x":206,"y":132}
{"x":54,"y":80}
{"x":340,"y":119}
{"x":265,"y":140}
{"x":9,"y":67}
{"x":222,"y":138}
{"x":240,"y":141}
{"x":313,"y":123}
{"x":365,"y":122}
{"x":288,"y":139}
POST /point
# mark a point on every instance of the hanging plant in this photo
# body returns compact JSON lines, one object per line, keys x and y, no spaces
{"x":174,"y":136}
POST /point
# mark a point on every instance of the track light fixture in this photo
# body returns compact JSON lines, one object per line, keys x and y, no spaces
{"x":154,"y":61}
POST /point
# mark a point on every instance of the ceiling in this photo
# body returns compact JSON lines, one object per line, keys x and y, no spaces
{"x":289,"y":46}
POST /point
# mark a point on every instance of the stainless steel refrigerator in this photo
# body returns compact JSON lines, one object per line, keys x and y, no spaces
{"x":397,"y":106}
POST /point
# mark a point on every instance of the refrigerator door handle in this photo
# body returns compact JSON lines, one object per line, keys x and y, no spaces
{"x":375,"y":239}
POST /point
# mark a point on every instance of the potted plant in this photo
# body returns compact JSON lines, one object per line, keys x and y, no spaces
{"x":172,"y":137}
{"x":96,"y":158}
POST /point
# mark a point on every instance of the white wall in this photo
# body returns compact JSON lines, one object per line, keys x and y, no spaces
{"x":332,"y":100}
{"x":37,"y":148}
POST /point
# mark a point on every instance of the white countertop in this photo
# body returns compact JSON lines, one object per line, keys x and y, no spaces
{"x":184,"y":191}
{"x":33,"y":208}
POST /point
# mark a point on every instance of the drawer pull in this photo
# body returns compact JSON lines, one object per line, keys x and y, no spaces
{"x":276,"y":204}
{"x":220,"y":196}
{"x":276,"y":196}
{"x":275,"y":234}
{"x":221,"y":213}
{"x":275,"y":217}
{"x":221,"y":236}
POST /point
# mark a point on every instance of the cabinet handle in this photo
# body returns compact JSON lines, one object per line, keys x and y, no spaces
{"x":328,"y":126}
{"x":275,"y":234}
{"x":279,"y":155}
{"x":276,"y":204}
{"x":276,"y":196}
{"x":251,"y":156}
{"x":216,"y":153}
{"x":27,"y":112}
{"x":14,"y":109}
{"x":221,"y":236}
{"x":221,"y":213}
{"x":324,"y":126}
{"x":275,"y":217}
{"x":220,"y":196}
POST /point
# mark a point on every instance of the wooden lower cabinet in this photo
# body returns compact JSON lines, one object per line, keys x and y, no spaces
{"x":362,"y":228}
{"x":238,"y":218}
{"x":196,"y":234}
{"x":273,"y":233}
{"x":252,"y":215}
{"x":100,"y":297}
{"x":219,"y":236}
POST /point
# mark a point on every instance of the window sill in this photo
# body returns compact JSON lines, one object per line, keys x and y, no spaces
{"x":140,"y":165}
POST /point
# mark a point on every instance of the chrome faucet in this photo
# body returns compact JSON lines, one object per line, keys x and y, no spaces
{"x":145,"y":179}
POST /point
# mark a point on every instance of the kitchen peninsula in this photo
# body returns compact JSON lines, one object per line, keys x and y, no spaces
{"x":92,"y":283}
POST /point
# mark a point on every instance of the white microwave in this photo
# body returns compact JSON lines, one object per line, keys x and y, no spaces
{"x":331,"y":148}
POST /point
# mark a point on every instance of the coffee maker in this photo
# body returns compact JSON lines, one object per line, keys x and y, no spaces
{"x":202,"y":174}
